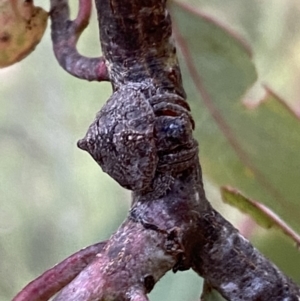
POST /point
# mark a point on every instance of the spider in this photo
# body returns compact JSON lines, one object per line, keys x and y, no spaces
{"x":134,"y":137}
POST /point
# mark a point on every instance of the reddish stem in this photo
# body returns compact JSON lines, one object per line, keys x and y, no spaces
{"x":53,"y":280}
{"x":65,"y":34}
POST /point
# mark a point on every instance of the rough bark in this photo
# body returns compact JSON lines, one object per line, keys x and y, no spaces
{"x":170,"y":225}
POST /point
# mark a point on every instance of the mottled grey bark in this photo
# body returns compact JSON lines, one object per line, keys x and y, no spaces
{"x":151,"y":151}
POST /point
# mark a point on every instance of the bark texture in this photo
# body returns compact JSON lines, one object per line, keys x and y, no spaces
{"x":171,"y":225}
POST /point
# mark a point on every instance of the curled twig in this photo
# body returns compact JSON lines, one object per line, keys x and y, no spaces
{"x":65,"y":34}
{"x":176,"y":229}
{"x":53,"y":280}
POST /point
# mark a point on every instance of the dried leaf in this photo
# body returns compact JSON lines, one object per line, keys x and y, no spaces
{"x":22,"y":26}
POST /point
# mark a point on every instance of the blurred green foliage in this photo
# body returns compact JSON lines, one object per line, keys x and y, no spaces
{"x":55,"y":200}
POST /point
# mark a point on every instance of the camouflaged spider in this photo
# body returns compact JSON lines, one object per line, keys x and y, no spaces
{"x":134,"y":137}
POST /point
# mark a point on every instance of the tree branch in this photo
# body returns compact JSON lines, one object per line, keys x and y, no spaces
{"x":53,"y":280}
{"x":65,"y":34}
{"x":171,"y":224}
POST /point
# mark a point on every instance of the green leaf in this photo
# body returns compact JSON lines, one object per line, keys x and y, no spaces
{"x":209,"y":294}
{"x":234,"y":198}
{"x":260,"y":213}
{"x":254,"y":149}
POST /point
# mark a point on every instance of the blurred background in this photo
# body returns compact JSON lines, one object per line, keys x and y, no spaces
{"x":55,"y":200}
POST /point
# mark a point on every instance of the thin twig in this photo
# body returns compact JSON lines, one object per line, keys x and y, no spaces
{"x":53,"y":280}
{"x":65,"y":34}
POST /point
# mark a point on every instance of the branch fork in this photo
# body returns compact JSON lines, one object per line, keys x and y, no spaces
{"x":177,"y":230}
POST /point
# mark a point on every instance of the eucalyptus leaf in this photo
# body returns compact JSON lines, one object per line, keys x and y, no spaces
{"x":260,"y":213}
{"x":209,"y":294}
{"x":253,"y":148}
